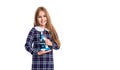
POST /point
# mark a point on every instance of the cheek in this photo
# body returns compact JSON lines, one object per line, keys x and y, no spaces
{"x":45,"y":18}
{"x":39,"y":19}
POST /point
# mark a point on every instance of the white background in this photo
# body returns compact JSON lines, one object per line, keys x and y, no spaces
{"x":89,"y":31}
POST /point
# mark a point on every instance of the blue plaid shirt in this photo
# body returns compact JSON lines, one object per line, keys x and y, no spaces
{"x":40,"y":62}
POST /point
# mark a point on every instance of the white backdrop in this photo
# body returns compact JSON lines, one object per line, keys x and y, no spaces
{"x":89,"y":31}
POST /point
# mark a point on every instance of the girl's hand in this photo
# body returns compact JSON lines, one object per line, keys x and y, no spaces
{"x":43,"y":52}
{"x":48,"y":42}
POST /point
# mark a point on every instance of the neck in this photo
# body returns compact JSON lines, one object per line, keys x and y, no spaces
{"x":42,"y":27}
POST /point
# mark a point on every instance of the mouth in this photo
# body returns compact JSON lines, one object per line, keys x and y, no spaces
{"x":43,"y":22}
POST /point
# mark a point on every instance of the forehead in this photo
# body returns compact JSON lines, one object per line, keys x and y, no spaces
{"x":41,"y":13}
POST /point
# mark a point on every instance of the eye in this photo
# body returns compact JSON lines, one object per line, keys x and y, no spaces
{"x":39,"y":16}
{"x":44,"y":15}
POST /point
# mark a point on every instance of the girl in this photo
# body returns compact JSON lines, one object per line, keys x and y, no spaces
{"x":42,"y":59}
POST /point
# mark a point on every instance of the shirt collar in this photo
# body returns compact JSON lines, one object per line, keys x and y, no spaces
{"x":38,"y":28}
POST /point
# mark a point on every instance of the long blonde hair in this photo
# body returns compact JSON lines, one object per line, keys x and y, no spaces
{"x":48,"y":24}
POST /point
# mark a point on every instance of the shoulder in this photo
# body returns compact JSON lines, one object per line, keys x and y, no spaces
{"x":32,"y":29}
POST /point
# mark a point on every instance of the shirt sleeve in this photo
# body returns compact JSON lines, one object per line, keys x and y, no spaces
{"x":29,"y":42}
{"x":54,"y":45}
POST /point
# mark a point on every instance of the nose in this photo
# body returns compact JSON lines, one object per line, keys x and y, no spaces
{"x":42,"y":18}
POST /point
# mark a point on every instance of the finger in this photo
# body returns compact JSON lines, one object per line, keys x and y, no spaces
{"x":41,"y":52}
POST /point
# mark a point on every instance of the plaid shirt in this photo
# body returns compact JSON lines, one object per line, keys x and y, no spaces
{"x":40,"y":62}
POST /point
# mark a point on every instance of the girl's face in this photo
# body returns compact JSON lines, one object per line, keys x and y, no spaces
{"x":42,"y":19}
